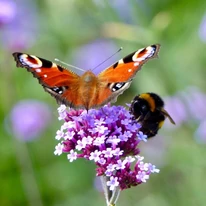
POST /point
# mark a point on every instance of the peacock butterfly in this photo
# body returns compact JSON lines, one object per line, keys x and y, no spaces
{"x":87,"y":90}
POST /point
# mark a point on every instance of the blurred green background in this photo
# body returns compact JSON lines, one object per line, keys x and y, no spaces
{"x":85,"y":33}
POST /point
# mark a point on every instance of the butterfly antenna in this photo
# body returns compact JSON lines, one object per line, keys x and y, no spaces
{"x":108,"y":58}
{"x":57,"y":60}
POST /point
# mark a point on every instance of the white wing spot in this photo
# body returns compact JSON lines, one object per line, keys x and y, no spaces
{"x":38,"y":70}
{"x":136,"y":64}
{"x":121,"y":61}
{"x":45,"y":75}
{"x":118,"y":85}
{"x":129,"y":70}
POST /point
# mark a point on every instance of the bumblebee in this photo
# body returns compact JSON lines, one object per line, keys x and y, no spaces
{"x":148,"y":110}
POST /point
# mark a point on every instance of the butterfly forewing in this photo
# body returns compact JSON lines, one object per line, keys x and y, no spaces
{"x":126,"y":68}
{"x":54,"y":78}
{"x":120,"y":75}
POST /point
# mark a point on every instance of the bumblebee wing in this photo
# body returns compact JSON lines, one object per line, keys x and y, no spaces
{"x":167,"y":115}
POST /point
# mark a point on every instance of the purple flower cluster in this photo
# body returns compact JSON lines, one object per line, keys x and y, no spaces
{"x":109,"y":137}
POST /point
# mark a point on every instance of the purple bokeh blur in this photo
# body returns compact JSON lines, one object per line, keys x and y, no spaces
{"x":188,"y":107}
{"x":122,"y":8}
{"x":7,"y":12}
{"x":29,"y":118}
{"x":195,"y":101}
{"x":200,"y":134}
{"x":94,"y":53}
{"x":202,"y":29}
{"x":18,"y":24}
{"x":176,"y":108}
{"x":98,"y":184}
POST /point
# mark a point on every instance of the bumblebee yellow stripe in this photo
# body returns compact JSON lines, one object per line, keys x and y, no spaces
{"x":149,"y":99}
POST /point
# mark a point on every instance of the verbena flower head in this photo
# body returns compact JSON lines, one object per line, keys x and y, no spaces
{"x":109,"y":137}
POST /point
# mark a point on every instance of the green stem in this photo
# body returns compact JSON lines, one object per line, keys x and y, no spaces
{"x":110,"y":196}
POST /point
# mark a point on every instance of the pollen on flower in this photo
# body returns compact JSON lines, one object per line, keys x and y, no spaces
{"x":109,"y":137}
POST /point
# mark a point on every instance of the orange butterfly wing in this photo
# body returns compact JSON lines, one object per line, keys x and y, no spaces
{"x":54,"y":78}
{"x":119,"y":76}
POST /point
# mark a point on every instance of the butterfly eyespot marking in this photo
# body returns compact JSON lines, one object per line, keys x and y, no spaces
{"x":58,"y":90}
{"x":116,"y":86}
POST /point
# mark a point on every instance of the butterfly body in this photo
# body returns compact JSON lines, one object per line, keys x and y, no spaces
{"x":87,"y":90}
